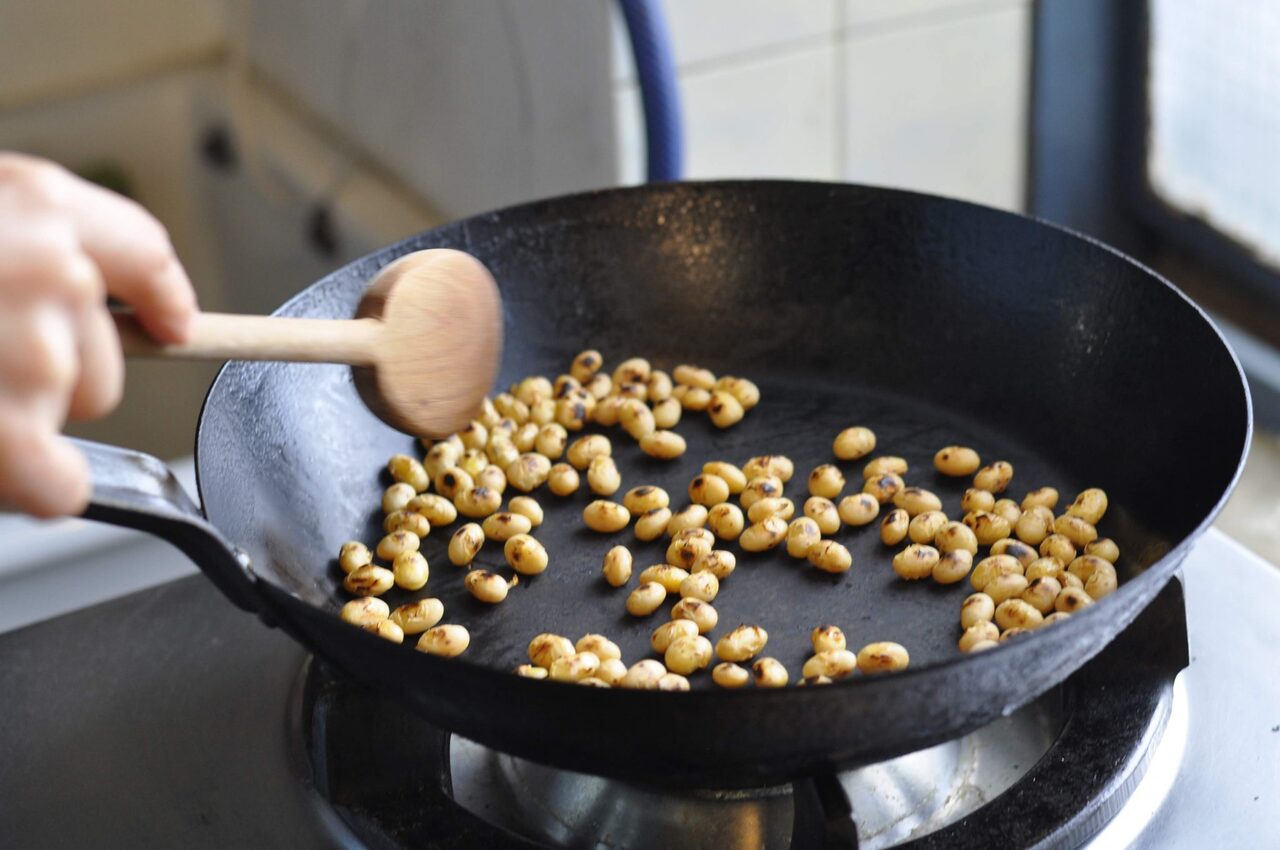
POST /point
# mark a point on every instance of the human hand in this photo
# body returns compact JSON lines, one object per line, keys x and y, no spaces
{"x":65,"y":245}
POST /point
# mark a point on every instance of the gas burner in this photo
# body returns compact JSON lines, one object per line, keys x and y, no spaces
{"x":397,"y":782}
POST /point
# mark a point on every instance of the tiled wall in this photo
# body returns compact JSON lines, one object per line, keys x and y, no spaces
{"x":474,"y":104}
{"x":921,"y":94}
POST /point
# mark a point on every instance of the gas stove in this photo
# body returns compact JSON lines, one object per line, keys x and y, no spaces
{"x":170,"y":719}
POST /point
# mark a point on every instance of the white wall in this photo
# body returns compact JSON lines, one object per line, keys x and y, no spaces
{"x":52,"y":48}
{"x":921,"y":94}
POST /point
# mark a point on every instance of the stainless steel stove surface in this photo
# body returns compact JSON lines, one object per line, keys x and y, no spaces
{"x":170,"y":719}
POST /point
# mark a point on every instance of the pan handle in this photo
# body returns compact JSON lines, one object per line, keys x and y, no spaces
{"x":136,"y":490}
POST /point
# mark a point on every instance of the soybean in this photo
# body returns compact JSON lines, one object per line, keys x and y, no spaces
{"x":527,"y":507}
{"x":952,"y":566}
{"x":859,"y":509}
{"x":984,"y":631}
{"x":708,"y":489}
{"x":396,"y":542}
{"x":644,"y":675}
{"x":652,"y":524}
{"x":925,"y":527}
{"x":830,"y":557}
{"x":760,"y":487}
{"x":987,"y":527}
{"x":719,"y":562}
{"x":1079,"y":531}
{"x":667,"y":575}
{"x":827,"y":638}
{"x":525,"y":555}
{"x":994,"y":478}
{"x":1035,"y":524}
{"x":661,"y":637}
{"x":883,"y":487}
{"x":586,"y":449}
{"x":688,"y":654}
{"x":645,"y":498}
{"x":603,"y":477}
{"x":529,"y":472}
{"x":894,"y":526}
{"x":1008,"y":586}
{"x":883,"y":657}
{"x":437,"y":509}
{"x":854,"y":443}
{"x":916,"y":561}
{"x":770,"y":673}
{"x":478,"y":502}
{"x":729,"y":675}
{"x":976,"y":608}
{"x":1017,"y":614}
{"x":724,"y":409}
{"x":410,"y":570}
{"x":504,"y":525}
{"x":778,"y":466}
{"x":605,"y":517}
{"x":956,"y":535}
{"x":1045,"y":497}
{"x":486,"y":586}
{"x":416,"y":617}
{"x":732,"y":475}
{"x":664,"y":445}
{"x":802,"y":535}
{"x":545,"y":648}
{"x":354,"y":555}
{"x":977,"y":500}
{"x":701,"y":613}
{"x":957,"y":461}
{"x":763,"y":535}
{"x":447,"y":640}
{"x":1104,"y":548}
{"x":617,"y":566}
{"x":574,"y":668}
{"x":725,"y":521}
{"x":1089,"y":505}
{"x":465,"y":544}
{"x":365,"y":611}
{"x":562,"y":480}
{"x":917,"y":500}
{"x":744,"y":390}
{"x":690,"y":516}
{"x":826,"y":481}
{"x":646,"y":599}
{"x":818,"y":508}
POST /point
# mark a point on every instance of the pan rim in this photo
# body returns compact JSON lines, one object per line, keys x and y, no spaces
{"x":1149,"y":582}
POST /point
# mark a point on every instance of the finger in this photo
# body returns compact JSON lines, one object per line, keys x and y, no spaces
{"x":38,"y":356}
{"x":41,"y":259}
{"x":133,"y":252}
{"x":40,"y":472}
{"x":101,"y":376}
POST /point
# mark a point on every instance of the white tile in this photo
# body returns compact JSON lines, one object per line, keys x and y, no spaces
{"x":475,"y":105}
{"x":862,"y":12}
{"x":708,"y":30}
{"x":941,"y":108}
{"x":772,"y":118}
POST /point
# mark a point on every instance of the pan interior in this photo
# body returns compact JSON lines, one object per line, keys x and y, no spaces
{"x":930,"y":321}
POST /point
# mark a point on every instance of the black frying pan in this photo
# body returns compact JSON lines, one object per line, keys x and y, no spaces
{"x":932,"y":321}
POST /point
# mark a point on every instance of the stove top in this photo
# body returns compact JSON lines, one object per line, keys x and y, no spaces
{"x":168,"y":718}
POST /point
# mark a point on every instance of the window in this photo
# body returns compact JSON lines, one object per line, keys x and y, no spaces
{"x":1213,"y":94}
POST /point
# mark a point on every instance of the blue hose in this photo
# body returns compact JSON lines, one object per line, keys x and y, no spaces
{"x":659,"y":92}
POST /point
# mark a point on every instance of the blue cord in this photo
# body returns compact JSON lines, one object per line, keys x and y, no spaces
{"x":659,"y":92}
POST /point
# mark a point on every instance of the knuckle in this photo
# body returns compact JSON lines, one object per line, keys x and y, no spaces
{"x":39,"y":183}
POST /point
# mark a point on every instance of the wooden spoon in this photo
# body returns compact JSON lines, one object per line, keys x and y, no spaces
{"x":424,"y":345}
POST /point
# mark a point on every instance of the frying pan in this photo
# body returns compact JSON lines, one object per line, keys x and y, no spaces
{"x":932,"y":321}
